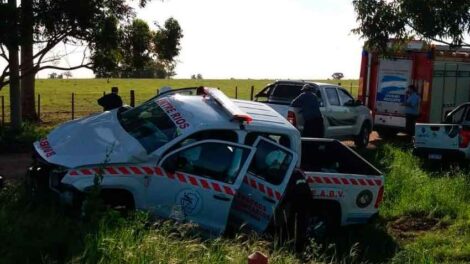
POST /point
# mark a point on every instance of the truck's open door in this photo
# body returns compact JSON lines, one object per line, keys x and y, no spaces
{"x":198,"y":182}
{"x":264,"y":184}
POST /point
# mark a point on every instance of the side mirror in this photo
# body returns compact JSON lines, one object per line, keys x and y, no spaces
{"x":172,"y":164}
{"x":358,"y":102}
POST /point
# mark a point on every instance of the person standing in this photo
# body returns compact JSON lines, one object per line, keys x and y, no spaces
{"x":411,"y":109}
{"x":111,"y":101}
{"x":309,"y":106}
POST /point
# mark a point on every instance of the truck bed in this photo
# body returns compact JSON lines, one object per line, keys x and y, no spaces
{"x":331,"y":156}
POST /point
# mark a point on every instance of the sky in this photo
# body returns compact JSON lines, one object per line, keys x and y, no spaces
{"x":257,"y":39}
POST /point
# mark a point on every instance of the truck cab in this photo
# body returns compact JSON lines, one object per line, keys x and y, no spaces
{"x":206,"y":159}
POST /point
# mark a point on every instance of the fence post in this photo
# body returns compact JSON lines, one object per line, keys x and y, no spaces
{"x":132,"y":98}
{"x":3,"y":110}
{"x":73,"y":106}
{"x":339,"y":83}
{"x":39,"y":106}
{"x":252,"y":92}
{"x":104,"y":93}
{"x":350,"y":88}
{"x":236,"y":92}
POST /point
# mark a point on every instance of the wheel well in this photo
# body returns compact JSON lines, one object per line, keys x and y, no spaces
{"x":118,"y":197}
{"x":329,"y":209}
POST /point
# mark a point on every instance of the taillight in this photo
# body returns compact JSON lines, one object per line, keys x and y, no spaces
{"x":291,"y":118}
{"x":380,"y":197}
{"x":464,"y":138}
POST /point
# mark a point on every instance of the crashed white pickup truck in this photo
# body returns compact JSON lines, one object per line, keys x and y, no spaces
{"x":447,"y":141}
{"x":209,"y":160}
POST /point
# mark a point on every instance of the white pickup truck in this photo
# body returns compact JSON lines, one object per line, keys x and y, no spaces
{"x":207,"y":159}
{"x":344,"y":117}
{"x":447,"y":141}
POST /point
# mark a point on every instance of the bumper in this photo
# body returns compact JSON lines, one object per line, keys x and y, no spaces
{"x":44,"y":183}
{"x":439,"y":154}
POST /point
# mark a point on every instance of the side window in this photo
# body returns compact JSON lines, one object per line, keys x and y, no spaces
{"x":332,"y":95}
{"x":467,"y":116}
{"x":225,"y":135}
{"x":270,"y":163}
{"x":457,"y":116}
{"x":266,"y":92}
{"x":280,"y":139}
{"x":217,"y":161}
{"x":345,"y":97}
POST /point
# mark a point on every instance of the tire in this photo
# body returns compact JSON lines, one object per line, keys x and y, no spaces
{"x":362,"y":140}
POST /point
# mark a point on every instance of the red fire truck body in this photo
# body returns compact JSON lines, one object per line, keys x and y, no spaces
{"x":441,"y":75}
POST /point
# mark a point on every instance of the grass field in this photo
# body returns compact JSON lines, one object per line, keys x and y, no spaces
{"x":56,"y":95}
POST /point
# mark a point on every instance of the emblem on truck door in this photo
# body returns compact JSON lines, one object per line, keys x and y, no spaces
{"x":189,"y":201}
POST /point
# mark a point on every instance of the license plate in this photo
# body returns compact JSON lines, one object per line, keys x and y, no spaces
{"x":435,"y":156}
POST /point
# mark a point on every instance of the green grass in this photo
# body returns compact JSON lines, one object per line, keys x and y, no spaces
{"x":410,"y":190}
{"x":56,"y":95}
{"x":442,"y":195}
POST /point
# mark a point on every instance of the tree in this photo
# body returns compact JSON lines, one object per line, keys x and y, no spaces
{"x":135,"y":51}
{"x":53,"y":75}
{"x":337,"y":75}
{"x":136,"y":48}
{"x":193,"y":77}
{"x":44,"y":24}
{"x":68,"y":74}
{"x":167,"y":44}
{"x":443,"y":21}
{"x":199,"y":76}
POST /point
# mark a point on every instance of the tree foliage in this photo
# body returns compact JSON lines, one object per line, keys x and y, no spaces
{"x":443,"y":21}
{"x":337,"y":75}
{"x":135,"y":51}
{"x":59,"y":21}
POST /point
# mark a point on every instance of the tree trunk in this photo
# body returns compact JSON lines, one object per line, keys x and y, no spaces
{"x":15,"y":93}
{"x":27,"y":64}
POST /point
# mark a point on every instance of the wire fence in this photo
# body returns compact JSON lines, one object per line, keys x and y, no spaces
{"x":53,"y":108}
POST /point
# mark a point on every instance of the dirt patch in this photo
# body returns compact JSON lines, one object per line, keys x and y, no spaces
{"x":408,"y":228}
{"x":13,"y":165}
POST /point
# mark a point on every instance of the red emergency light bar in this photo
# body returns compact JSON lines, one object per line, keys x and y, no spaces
{"x":228,"y":105}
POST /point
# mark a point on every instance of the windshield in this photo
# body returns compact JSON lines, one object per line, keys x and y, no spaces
{"x":149,"y":124}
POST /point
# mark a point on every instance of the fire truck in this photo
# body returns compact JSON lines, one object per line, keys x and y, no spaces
{"x":441,"y":75}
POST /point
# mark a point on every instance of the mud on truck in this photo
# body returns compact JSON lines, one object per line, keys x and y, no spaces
{"x":198,"y":156}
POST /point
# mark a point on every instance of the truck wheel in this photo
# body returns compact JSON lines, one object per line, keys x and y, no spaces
{"x":291,"y":226}
{"x":362,"y":140}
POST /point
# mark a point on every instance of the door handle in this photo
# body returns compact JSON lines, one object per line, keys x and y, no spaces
{"x":269,"y":199}
{"x":220,"y":197}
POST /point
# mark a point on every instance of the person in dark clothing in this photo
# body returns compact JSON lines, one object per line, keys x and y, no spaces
{"x":110,"y":101}
{"x":309,"y":106}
